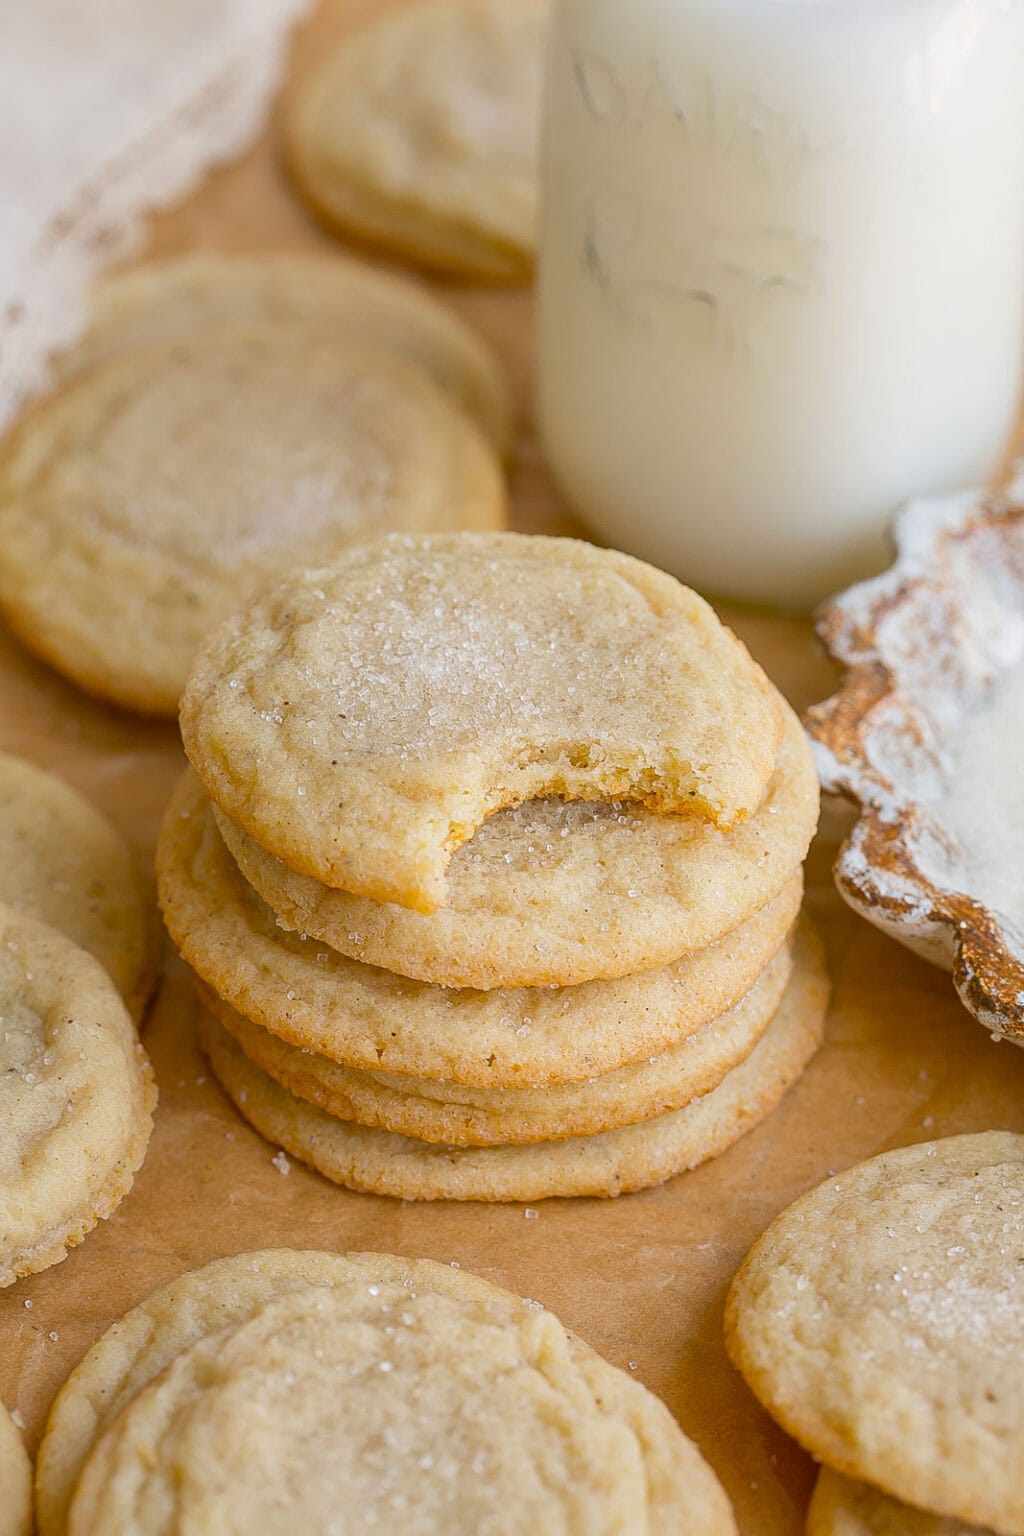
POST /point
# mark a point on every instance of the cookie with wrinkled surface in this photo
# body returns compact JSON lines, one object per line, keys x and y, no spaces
{"x":409,"y":1403}
{"x":15,"y":1480}
{"x":876,"y":1316}
{"x":76,"y":1096}
{"x":456,"y":1115}
{"x":155,"y":492}
{"x":419,"y":132}
{"x":317,"y":1000}
{"x":840,"y":1507}
{"x":147,"y":1339}
{"x":63,"y":863}
{"x":635,"y":1157}
{"x":351,"y":300}
{"x":554,"y":893}
{"x":361,"y":1306}
{"x":361,"y":720}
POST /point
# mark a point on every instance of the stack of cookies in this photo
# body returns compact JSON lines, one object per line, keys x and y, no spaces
{"x":490,"y":869}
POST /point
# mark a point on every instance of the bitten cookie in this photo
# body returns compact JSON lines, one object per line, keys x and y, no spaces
{"x":149,"y":497}
{"x":875,"y":1319}
{"x":76,"y":1096}
{"x":634,"y":1157}
{"x":840,"y":1507}
{"x":350,"y":300}
{"x":281,"y":1387}
{"x":361,"y":720}
{"x":15,"y":1480}
{"x":554,"y":893}
{"x":63,"y":863}
{"x":419,"y":132}
{"x":317,"y":1000}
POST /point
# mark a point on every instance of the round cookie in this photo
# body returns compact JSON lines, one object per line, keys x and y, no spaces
{"x":407,"y":1403}
{"x":361,"y":1016}
{"x":554,"y":893}
{"x":354,"y":302}
{"x":15,"y":1480}
{"x":420,"y":133}
{"x":380,"y":1162}
{"x":155,"y":492}
{"x":210,"y":1302}
{"x":459,"y":1116}
{"x":361,"y":720}
{"x":63,"y":863}
{"x":875,"y":1318}
{"x":840,"y":1507}
{"x":76,"y":1096}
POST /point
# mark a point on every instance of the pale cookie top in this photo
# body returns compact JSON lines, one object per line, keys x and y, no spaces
{"x":62,"y":862}
{"x":156,"y":491}
{"x":319,"y":1000}
{"x":15,"y":1480}
{"x":195,"y":1306}
{"x":840,"y":1507}
{"x":421,"y":129}
{"x":557,"y":893}
{"x":875,"y":1319}
{"x":362,"y":720}
{"x":428,"y":1399}
{"x":336,"y":295}
{"x":74,"y":1092}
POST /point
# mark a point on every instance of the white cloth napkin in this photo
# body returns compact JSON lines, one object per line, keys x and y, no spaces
{"x":110,"y":108}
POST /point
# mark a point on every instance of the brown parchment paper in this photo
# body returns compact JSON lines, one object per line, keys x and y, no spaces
{"x":642,"y":1278}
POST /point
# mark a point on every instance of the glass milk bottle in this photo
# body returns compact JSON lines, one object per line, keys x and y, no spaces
{"x":782,"y":274}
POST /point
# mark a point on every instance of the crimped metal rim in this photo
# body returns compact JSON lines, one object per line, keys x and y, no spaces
{"x":878,"y":870}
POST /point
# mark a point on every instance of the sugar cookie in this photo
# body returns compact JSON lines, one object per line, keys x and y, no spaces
{"x":361,"y":720}
{"x":554,"y":893}
{"x":362,"y":1016}
{"x":398,"y":1404}
{"x":875,"y":1318}
{"x":151,"y":495}
{"x":412,"y":1315}
{"x":165,"y":300}
{"x":76,"y":1096}
{"x":635,"y":1157}
{"x":63,"y":863}
{"x":419,"y":132}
